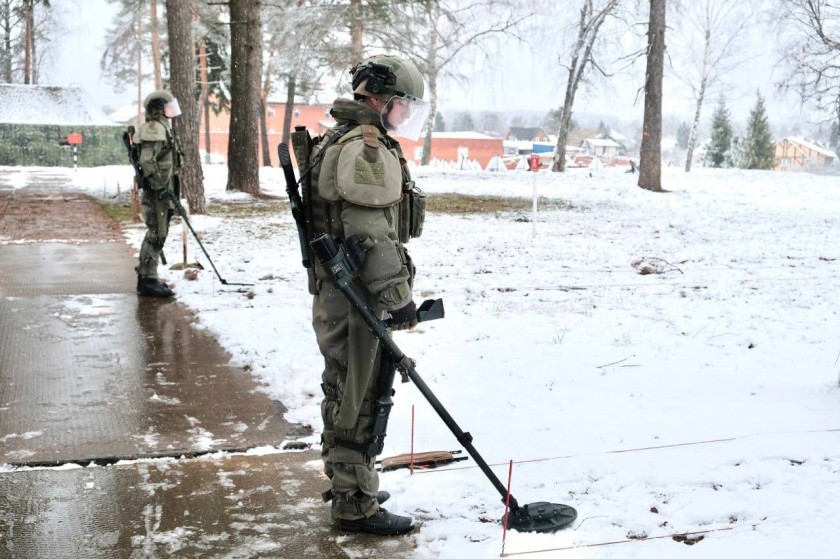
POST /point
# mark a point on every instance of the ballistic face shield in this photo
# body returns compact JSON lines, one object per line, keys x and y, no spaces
{"x":405,"y":116}
{"x":172,"y":109}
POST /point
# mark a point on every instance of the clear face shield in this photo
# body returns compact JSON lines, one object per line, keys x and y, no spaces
{"x":172,"y":109}
{"x":405,"y":116}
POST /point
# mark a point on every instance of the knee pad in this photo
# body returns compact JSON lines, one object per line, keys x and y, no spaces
{"x":156,"y":242}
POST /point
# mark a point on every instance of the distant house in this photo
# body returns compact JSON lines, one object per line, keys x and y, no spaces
{"x":798,"y":154}
{"x":526,"y":134}
{"x":600,"y":147}
{"x":35,"y":122}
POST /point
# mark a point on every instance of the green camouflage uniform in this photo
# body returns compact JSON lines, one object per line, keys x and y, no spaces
{"x":160,"y":159}
{"x":356,"y":189}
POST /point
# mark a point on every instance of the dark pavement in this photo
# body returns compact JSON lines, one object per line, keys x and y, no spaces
{"x":123,"y":430}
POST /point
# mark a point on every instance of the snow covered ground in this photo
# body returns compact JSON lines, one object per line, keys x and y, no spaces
{"x":701,"y":399}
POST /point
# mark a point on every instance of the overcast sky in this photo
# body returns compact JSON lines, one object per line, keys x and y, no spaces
{"x":520,"y":78}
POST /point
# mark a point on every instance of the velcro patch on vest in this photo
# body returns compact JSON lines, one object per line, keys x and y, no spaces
{"x":370,"y":135}
{"x":369,"y":173}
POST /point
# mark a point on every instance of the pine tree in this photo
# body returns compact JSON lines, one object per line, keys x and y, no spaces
{"x":759,"y":147}
{"x":683,"y":132}
{"x":721,"y":139}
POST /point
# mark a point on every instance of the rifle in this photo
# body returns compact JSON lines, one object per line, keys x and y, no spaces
{"x":294,"y":201}
{"x":133,"y":156}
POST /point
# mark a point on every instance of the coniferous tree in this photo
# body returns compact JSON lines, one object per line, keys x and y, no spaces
{"x":759,"y":147}
{"x":721,"y":139}
{"x":683,"y":133}
{"x":440,"y":125}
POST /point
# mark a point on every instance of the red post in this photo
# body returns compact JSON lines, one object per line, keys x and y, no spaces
{"x":507,"y":505}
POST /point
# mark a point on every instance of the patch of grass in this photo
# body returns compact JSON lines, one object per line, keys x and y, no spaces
{"x":462,"y":204}
{"x":250,"y":208}
{"x":118,"y":211}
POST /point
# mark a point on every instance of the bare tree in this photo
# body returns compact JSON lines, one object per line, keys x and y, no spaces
{"x":182,"y":81}
{"x":246,"y":70}
{"x":592,"y":17}
{"x":810,"y":51}
{"x":711,"y":33}
{"x":434,"y":33}
{"x":650,"y":158}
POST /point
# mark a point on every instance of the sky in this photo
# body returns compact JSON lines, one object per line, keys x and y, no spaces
{"x":520,"y":77}
{"x":664,"y":363}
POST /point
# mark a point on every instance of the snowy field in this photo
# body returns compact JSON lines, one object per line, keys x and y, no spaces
{"x":701,"y":399}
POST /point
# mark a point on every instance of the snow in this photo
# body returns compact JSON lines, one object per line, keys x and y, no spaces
{"x":38,"y":104}
{"x":700,"y":397}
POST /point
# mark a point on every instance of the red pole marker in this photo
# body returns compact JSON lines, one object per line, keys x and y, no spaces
{"x":507,"y":506}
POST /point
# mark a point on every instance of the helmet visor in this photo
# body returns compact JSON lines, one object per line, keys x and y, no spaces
{"x":172,"y":109}
{"x":405,"y":116}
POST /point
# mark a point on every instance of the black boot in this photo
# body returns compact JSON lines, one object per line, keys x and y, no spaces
{"x":381,"y":523}
{"x":152,"y":287}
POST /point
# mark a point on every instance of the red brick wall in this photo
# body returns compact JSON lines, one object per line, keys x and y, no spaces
{"x":311,"y":116}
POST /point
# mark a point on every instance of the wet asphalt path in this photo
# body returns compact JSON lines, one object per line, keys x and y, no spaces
{"x":122,"y":427}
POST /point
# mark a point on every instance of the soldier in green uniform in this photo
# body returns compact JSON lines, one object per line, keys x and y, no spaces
{"x":159,"y":159}
{"x":362,"y":187}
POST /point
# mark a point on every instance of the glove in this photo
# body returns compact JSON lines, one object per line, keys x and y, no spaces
{"x":163,"y":194}
{"x":404,"y":318}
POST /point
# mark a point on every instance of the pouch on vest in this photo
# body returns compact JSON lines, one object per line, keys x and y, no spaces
{"x":412,"y":212}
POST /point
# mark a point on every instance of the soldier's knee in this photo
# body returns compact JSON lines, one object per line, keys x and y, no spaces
{"x":156,"y":243}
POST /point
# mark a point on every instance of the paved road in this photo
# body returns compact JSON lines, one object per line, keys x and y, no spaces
{"x":123,"y":429}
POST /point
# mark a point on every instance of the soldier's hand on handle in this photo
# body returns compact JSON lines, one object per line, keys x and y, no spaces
{"x":404,"y":318}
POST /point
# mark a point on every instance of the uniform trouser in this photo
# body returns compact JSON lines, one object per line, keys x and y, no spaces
{"x":156,"y":214}
{"x":351,"y":365}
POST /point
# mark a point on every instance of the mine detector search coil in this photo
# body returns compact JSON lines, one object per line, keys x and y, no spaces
{"x":133,"y":155}
{"x":534,"y":517}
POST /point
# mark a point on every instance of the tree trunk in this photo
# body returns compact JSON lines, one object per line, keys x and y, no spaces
{"x":432,"y":55}
{"x":156,"y":43}
{"x":356,"y":31}
{"x":701,"y":97}
{"x":266,"y":152}
{"x":245,"y":77}
{"x":692,"y":138}
{"x":27,"y":42}
{"x":204,"y":96}
{"x":650,"y":159}
{"x":7,"y":41}
{"x":33,"y":56}
{"x":264,"y":149}
{"x":291,"y":87}
{"x":182,"y":79}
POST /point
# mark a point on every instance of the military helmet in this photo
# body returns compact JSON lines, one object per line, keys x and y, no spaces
{"x":385,"y":76}
{"x":161,"y":101}
{"x":159,"y":94}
